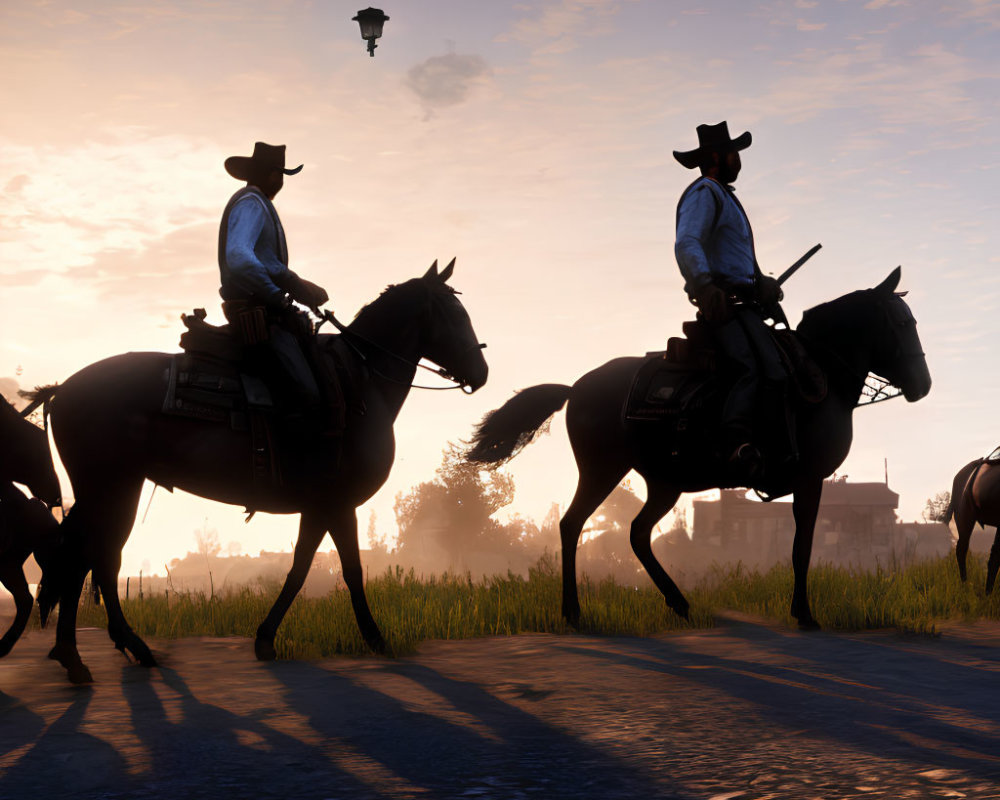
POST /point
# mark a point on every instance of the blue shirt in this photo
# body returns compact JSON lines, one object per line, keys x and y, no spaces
{"x":714,"y":241}
{"x":253,"y":255}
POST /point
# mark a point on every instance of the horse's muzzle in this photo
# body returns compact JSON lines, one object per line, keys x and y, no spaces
{"x":918,"y":385}
{"x":474,"y":377}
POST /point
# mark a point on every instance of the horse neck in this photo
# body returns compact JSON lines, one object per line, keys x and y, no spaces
{"x":388,"y":332}
{"x":839,"y":339}
{"x":21,"y":443}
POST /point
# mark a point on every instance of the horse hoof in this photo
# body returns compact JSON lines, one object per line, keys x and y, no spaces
{"x":681,"y":609}
{"x":142,"y":654}
{"x":79,"y":674}
{"x":572,"y":619}
{"x":808,"y":625}
{"x":377,"y":644}
{"x":264,"y":650}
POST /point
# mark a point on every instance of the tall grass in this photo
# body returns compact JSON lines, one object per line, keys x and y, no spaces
{"x":410,"y":610}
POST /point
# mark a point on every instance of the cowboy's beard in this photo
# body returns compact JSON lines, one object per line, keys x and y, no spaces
{"x":729,"y":167}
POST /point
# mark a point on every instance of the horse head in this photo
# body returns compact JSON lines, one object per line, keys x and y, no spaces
{"x":897,"y":355}
{"x":27,"y":459}
{"x":448,"y":338}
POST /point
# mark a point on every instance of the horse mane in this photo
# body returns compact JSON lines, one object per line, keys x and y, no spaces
{"x":832,"y":306}
{"x":369,"y":304}
{"x":393,"y":301}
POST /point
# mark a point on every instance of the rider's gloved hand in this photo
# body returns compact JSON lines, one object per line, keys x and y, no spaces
{"x":768,"y":291}
{"x":310,"y":294}
{"x":712,"y":303}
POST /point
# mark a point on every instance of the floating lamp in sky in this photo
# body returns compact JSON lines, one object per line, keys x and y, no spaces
{"x":371,"y":21}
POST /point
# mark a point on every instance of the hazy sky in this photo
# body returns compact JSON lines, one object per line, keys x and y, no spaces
{"x":531,"y":140}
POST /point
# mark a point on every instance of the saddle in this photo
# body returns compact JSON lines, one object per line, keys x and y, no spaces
{"x":682,"y":380}
{"x":216,"y":380}
{"x":682,"y":390}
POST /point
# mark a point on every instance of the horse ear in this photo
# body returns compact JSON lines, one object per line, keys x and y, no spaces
{"x":446,"y":272}
{"x":433,"y":271}
{"x":890,"y":283}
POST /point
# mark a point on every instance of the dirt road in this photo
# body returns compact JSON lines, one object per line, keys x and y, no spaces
{"x":747,"y":710}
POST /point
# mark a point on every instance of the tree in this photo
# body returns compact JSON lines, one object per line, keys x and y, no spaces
{"x":610,"y":551}
{"x":937,"y":508}
{"x":450,"y":519}
{"x":208,"y":541}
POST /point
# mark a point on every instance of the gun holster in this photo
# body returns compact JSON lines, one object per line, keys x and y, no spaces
{"x":249,"y":321}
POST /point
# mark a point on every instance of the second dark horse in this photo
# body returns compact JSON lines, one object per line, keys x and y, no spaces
{"x":111,"y":441}
{"x":866,"y":331}
{"x":975,"y":498}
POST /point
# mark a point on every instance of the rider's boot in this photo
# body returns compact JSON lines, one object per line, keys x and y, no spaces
{"x":743,"y":460}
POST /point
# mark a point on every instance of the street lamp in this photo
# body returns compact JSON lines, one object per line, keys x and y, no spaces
{"x":370,"y":20}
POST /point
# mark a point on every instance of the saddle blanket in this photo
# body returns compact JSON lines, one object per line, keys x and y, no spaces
{"x":209,"y":390}
{"x":664,"y":390}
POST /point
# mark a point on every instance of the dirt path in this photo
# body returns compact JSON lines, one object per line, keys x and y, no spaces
{"x":747,"y":710}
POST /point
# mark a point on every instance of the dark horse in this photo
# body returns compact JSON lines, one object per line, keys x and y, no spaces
{"x":111,"y":435}
{"x":975,"y":497}
{"x":865,"y":331}
{"x":26,"y":525}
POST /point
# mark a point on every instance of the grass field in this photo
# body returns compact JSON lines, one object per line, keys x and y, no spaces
{"x":409,"y":610}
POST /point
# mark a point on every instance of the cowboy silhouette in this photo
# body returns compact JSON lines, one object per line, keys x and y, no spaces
{"x":715,"y":252}
{"x":258,"y":288}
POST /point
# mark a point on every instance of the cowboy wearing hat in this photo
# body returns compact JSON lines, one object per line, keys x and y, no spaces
{"x":258,"y":288}
{"x":715,"y":252}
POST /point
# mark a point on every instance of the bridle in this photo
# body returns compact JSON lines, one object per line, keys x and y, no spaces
{"x":349,"y":335}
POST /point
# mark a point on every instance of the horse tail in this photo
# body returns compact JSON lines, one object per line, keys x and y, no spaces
{"x":949,"y":511}
{"x":506,"y":431}
{"x":40,"y":396}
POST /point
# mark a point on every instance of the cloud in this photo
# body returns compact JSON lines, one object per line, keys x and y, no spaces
{"x":558,"y":26}
{"x":16,"y":184}
{"x":101,"y":195}
{"x":443,"y":81}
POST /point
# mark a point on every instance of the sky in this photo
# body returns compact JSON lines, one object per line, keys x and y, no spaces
{"x":530,"y":140}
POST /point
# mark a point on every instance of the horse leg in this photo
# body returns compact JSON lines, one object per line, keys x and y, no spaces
{"x":106,"y":577}
{"x":107,"y":520}
{"x":591,"y":489}
{"x":805,"y":507}
{"x":311,"y":533}
{"x":345,"y":537}
{"x":994,"y":563}
{"x":65,"y":651}
{"x":660,"y":500}
{"x":12,"y":577}
{"x":96,"y":529}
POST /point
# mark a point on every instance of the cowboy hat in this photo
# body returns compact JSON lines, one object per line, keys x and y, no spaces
{"x":712,"y":138}
{"x":265,"y":157}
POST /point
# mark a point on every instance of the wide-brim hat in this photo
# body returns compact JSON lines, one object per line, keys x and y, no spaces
{"x":265,"y":157}
{"x":712,"y":139}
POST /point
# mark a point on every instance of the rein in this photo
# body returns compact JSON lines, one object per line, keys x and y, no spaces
{"x":327,"y":316}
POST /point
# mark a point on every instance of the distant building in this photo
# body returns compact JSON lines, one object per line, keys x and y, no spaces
{"x":856,"y":525}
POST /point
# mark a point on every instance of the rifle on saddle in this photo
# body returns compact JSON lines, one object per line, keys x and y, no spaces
{"x":784,"y":276}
